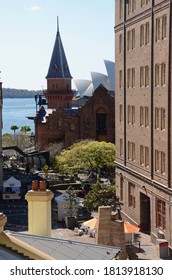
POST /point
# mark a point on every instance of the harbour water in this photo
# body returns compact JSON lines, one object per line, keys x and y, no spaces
{"x":15,"y":112}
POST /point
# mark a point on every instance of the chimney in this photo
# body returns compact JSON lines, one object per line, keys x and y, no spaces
{"x":39,"y":211}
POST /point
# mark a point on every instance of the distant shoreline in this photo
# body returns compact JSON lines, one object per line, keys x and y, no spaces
{"x":19,"y":93}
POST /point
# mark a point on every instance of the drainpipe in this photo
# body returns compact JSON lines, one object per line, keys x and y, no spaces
{"x":152,"y":90}
{"x":169,"y":118}
{"x":125,"y":108}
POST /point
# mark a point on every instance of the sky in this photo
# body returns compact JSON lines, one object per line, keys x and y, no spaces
{"x":28,"y":31}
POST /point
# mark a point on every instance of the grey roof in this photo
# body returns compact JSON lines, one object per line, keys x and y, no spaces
{"x":61,"y":249}
{"x":58,"y":65}
{"x":7,"y":254}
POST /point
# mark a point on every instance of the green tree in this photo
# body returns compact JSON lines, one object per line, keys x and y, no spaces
{"x":101,"y":195}
{"x":14,"y":128}
{"x":86,"y":155}
{"x":25,"y":129}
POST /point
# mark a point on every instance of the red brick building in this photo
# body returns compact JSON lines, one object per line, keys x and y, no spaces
{"x":61,"y":122}
{"x":143,"y":51}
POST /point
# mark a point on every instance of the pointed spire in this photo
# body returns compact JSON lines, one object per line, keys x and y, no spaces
{"x":58,"y":65}
{"x":57,"y":24}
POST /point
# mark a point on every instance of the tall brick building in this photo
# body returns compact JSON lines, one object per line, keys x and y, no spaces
{"x":66,"y":118}
{"x":143,"y":49}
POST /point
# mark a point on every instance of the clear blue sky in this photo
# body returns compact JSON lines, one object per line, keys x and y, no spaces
{"x":28,"y":31}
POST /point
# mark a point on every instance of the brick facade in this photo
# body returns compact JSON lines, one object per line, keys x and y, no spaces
{"x":70,"y":126}
{"x":143,"y":113}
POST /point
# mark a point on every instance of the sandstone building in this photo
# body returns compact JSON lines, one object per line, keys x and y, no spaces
{"x":67,"y":118}
{"x":143,"y":37}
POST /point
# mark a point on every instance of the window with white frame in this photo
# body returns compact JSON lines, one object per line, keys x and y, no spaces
{"x":160,"y":214}
{"x":131,"y":195}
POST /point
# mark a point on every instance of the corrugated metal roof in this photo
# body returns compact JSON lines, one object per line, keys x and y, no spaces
{"x":68,"y":250}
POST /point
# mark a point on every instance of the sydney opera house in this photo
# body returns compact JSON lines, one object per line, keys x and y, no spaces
{"x":87,"y":87}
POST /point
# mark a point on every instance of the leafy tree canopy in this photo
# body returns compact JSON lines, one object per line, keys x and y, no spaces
{"x":100,"y":195}
{"x":25,"y":129}
{"x":86,"y":155}
{"x":14,"y":128}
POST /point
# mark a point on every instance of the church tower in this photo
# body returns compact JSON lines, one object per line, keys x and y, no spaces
{"x":58,"y":93}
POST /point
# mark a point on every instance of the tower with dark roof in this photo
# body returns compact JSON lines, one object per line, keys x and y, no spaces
{"x":58,"y":93}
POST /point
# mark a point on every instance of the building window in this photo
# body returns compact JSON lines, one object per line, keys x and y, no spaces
{"x":141,"y":116}
{"x":101,"y":120}
{"x":120,"y":113}
{"x":141,"y":155}
{"x":133,"y":157}
{"x":146,"y":76}
{"x":120,"y":9}
{"x":163,"y":74}
{"x":147,"y":33}
{"x":120,"y":78}
{"x":121,"y":187}
{"x":128,"y":40}
{"x":157,"y":73}
{"x":133,"y":38}
{"x":164,"y":26}
{"x":131,"y":151}
{"x":131,"y":114}
{"x":142,"y":3}
{"x":157,"y":161}
{"x":144,"y":34}
{"x":129,"y":6}
{"x":141,"y":35}
{"x":162,"y":118}
{"x":157,"y":118}
{"x":146,"y":116}
{"x":160,"y":214}
{"x":144,"y":156}
{"x":162,"y":163}
{"x":131,"y":195}
{"x":128,"y":78}
{"x":120,"y":43}
{"x":157,"y":31}
{"x":131,"y":77}
{"x":121,"y":147}
{"x":141,"y":76}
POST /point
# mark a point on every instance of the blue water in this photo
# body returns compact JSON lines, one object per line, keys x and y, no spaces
{"x":15,"y":112}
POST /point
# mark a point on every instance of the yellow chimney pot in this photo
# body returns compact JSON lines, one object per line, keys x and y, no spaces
{"x":39,"y":212}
